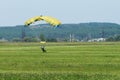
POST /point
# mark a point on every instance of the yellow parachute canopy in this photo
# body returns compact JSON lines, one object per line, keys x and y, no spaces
{"x":48,"y":19}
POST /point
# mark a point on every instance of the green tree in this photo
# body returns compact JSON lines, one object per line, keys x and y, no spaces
{"x":16,"y":40}
{"x":114,"y":38}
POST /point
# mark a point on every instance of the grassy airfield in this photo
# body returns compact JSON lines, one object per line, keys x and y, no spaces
{"x":63,"y":61}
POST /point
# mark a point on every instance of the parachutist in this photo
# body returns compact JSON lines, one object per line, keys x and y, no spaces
{"x":43,"y":46}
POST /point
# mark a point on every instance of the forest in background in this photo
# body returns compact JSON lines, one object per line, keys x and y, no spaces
{"x":81,"y":31}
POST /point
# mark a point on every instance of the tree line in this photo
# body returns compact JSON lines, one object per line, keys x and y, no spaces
{"x":79,"y":31}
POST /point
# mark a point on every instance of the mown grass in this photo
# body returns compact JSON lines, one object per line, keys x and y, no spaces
{"x":63,"y":61}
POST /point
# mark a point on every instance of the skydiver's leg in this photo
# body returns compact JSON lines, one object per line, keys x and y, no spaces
{"x":43,"y":49}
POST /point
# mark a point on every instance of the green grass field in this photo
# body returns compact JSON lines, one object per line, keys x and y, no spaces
{"x":63,"y":61}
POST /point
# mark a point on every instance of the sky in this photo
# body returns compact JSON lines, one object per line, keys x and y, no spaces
{"x":16,"y":12}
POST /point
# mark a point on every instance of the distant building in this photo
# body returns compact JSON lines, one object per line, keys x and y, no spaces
{"x":97,"y":40}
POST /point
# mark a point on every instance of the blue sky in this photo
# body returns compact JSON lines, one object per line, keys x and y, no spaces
{"x":16,"y":12}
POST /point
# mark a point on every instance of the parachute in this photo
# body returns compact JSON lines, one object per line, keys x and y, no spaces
{"x":52,"y":21}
